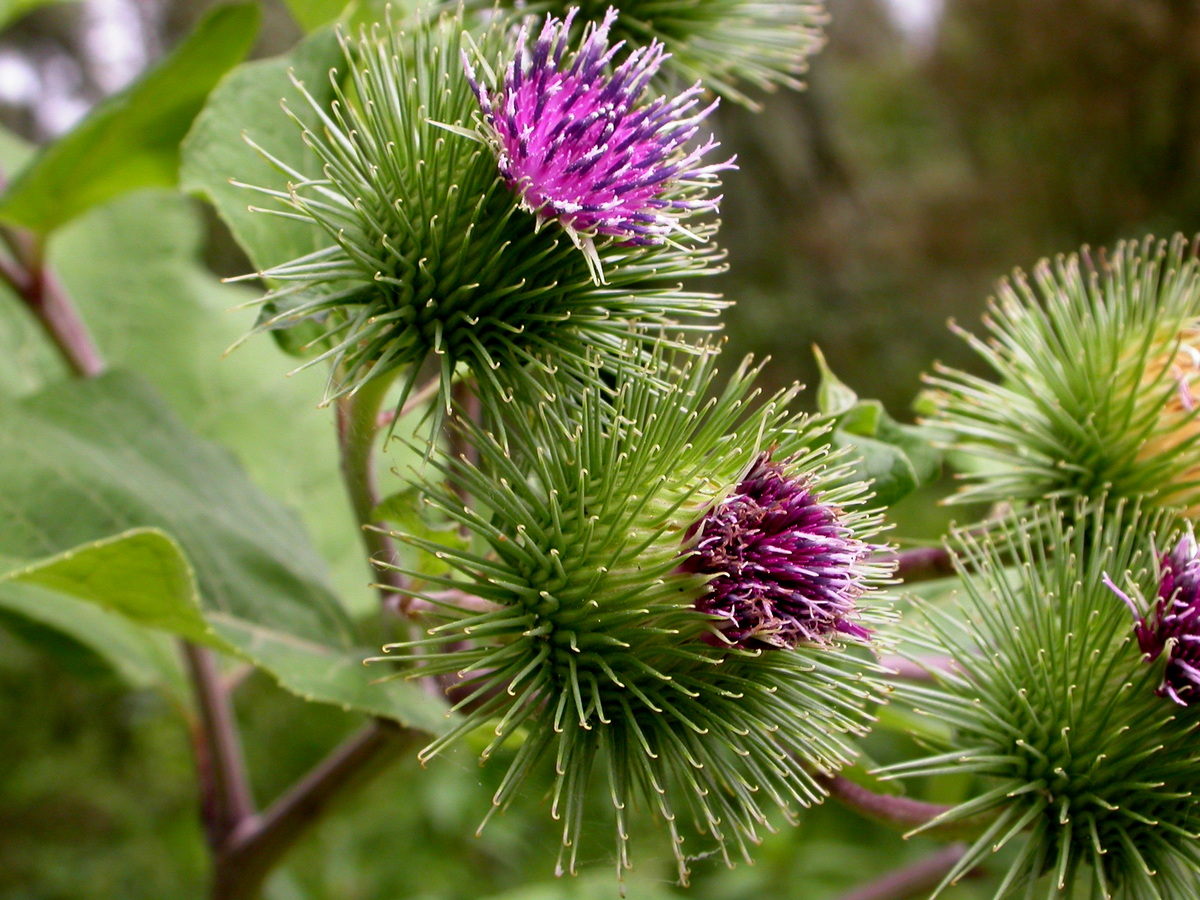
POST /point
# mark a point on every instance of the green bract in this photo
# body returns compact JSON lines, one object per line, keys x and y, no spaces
{"x":583,"y":637}
{"x":429,"y":253}
{"x":1085,"y":773}
{"x":722,"y":43}
{"x":1098,"y":365}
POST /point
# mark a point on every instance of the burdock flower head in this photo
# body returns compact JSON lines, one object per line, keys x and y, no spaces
{"x":1172,"y":627}
{"x":575,"y":141}
{"x":786,"y":567}
{"x":424,"y":253}
{"x":588,"y":634}
{"x":1081,"y":772}
{"x":1098,"y":361}
{"x":723,"y":43}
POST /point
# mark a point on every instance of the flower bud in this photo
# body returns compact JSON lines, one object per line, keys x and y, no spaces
{"x":786,"y":568}
{"x":1097,"y":367}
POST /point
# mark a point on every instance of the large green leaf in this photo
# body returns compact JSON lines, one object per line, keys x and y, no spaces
{"x":84,"y":462}
{"x":247,"y":105}
{"x":133,"y":270}
{"x":129,"y":574}
{"x":132,"y":139}
{"x":67,"y":627}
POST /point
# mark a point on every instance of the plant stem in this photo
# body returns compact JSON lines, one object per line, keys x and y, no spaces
{"x":921,"y":563}
{"x":901,"y":812}
{"x":357,"y":428}
{"x":912,"y":881}
{"x":45,"y":298}
{"x":258,"y":845}
{"x":226,"y":798}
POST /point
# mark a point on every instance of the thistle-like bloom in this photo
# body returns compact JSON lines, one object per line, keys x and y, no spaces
{"x":722,"y":43}
{"x":786,"y":569}
{"x":579,"y":146}
{"x":590,"y":642}
{"x":1082,"y":772}
{"x":1173,"y":627}
{"x":424,"y":253}
{"x":1098,"y":368}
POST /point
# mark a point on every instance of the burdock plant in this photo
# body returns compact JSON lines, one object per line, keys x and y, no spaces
{"x":726,"y":44}
{"x":1170,"y":627}
{"x":609,"y":635}
{"x":580,"y":149}
{"x":1086,"y":772}
{"x":433,"y":250}
{"x":1098,"y":359}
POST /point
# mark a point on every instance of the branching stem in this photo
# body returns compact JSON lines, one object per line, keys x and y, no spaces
{"x":260,"y":842}
{"x":903,"y":813}
{"x":910,"y":882}
{"x":226,"y":799}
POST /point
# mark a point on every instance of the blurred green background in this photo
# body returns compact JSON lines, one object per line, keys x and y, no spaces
{"x":920,"y":166}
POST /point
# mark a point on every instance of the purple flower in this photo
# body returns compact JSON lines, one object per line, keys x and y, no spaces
{"x":572,"y":141}
{"x":1173,"y":627}
{"x":787,"y":570}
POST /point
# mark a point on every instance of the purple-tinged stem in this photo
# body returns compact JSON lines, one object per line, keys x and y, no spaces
{"x":903,"y":813}
{"x":46,"y":300}
{"x":226,"y":798}
{"x":922,"y":670}
{"x":258,"y":845}
{"x":900,"y":812}
{"x":912,"y":881}
{"x":921,"y":563}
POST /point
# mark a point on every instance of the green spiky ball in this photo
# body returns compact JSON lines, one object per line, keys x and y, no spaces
{"x":1099,"y":362}
{"x":581,"y":639}
{"x":1085,"y":776}
{"x":429,"y":254}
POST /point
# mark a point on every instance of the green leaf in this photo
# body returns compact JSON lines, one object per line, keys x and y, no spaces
{"x":129,"y":573}
{"x":898,"y":458}
{"x":247,"y":105}
{"x":834,"y":397}
{"x":131,"y":140}
{"x":86,"y":462}
{"x":920,"y":444}
{"x":883,"y":464}
{"x":134,"y":271}
{"x":11,"y":10}
{"x":312,"y":14}
{"x":864,"y":418}
{"x":142,"y":658}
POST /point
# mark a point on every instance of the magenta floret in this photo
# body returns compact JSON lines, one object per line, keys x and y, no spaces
{"x":573,"y":142}
{"x":787,"y":571}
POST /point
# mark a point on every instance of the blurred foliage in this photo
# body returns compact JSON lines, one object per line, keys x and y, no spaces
{"x":910,"y":176}
{"x":867,"y":210}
